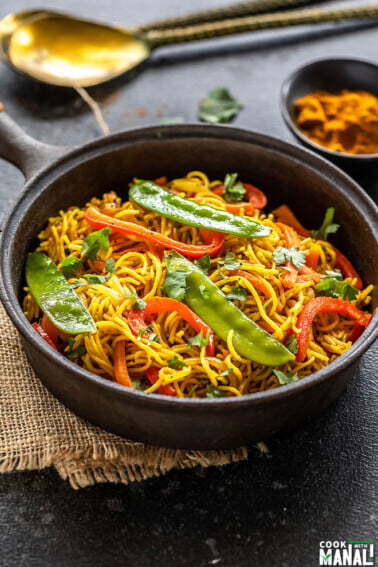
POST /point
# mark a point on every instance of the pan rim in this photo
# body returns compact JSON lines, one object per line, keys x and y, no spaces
{"x":155,"y":133}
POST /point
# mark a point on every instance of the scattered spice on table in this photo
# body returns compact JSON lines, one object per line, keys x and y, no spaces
{"x":344,"y":122}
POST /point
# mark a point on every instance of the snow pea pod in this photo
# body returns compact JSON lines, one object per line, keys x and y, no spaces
{"x":153,"y":197}
{"x":222,"y":316}
{"x":54,"y":296}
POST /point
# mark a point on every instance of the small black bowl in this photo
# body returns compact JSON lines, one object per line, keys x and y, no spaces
{"x":331,"y":75}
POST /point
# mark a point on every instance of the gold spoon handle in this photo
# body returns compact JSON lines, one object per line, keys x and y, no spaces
{"x":158,"y":38}
{"x":223,"y":13}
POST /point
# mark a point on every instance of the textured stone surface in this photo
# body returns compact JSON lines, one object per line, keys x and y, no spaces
{"x":316,"y":483}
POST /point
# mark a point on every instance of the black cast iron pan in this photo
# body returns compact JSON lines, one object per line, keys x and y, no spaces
{"x":57,"y":178}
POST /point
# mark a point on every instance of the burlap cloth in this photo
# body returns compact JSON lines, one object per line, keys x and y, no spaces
{"x":37,"y":431}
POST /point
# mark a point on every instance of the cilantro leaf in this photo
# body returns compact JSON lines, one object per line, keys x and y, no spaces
{"x":70,"y":265}
{"x":139,"y":305}
{"x":330,"y":287}
{"x":226,"y":372}
{"x":292,"y":344}
{"x":214,"y":392}
{"x":203,"y":263}
{"x":137,"y":385}
{"x":176,"y":363}
{"x":110,"y":265}
{"x":335,"y":274}
{"x":230,"y":263}
{"x":233,"y":191}
{"x":131,"y":294}
{"x":175,"y":285}
{"x":90,"y":279}
{"x":237,"y":292}
{"x":141,"y":333}
{"x":285,"y":378}
{"x":327,"y":226}
{"x":153,"y":338}
{"x":199,"y":340}
{"x":219,"y":106}
{"x":282,"y":254}
{"x":75,"y":352}
{"x":94,"y":242}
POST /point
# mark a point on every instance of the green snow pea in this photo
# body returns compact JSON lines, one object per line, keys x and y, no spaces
{"x":153,"y":197}
{"x":55,"y":297}
{"x":222,"y":316}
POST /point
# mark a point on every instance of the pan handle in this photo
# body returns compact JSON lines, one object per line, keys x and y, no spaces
{"x":28,"y":154}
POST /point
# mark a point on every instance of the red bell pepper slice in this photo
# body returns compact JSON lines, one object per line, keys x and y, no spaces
{"x":256,"y":199}
{"x":42,"y":333}
{"x":152,"y":374}
{"x":324,"y":305}
{"x":213,"y":240}
{"x":50,"y":329}
{"x":137,"y":318}
{"x":285,"y":215}
{"x":120,"y":368}
{"x":347,"y":269}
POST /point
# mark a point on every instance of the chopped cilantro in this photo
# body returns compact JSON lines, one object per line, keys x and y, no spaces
{"x":219,"y":106}
{"x":153,"y":338}
{"x":237,"y":292}
{"x":226,"y":372}
{"x":90,"y":279}
{"x":110,"y":265}
{"x":131,"y":295}
{"x":328,"y":227}
{"x":282,"y":254}
{"x":75,"y":352}
{"x":199,"y":340}
{"x":230,"y":263}
{"x":214,"y":392}
{"x":285,"y":378}
{"x":175,"y":285}
{"x":176,"y":363}
{"x":335,"y":274}
{"x":94,"y":242}
{"x":292,"y":344}
{"x":139,"y":305}
{"x":70,"y":265}
{"x":233,"y":191}
{"x":330,"y":287}
{"x":203,"y":263}
{"x":137,"y":385}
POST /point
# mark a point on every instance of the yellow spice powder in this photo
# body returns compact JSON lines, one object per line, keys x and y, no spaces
{"x":344,"y":122}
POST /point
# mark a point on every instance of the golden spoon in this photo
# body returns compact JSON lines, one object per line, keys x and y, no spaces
{"x":60,"y":49}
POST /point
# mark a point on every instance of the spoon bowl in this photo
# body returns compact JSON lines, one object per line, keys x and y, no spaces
{"x":63,"y":50}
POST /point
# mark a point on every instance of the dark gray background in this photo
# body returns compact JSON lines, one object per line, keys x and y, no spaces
{"x":318,"y":482}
